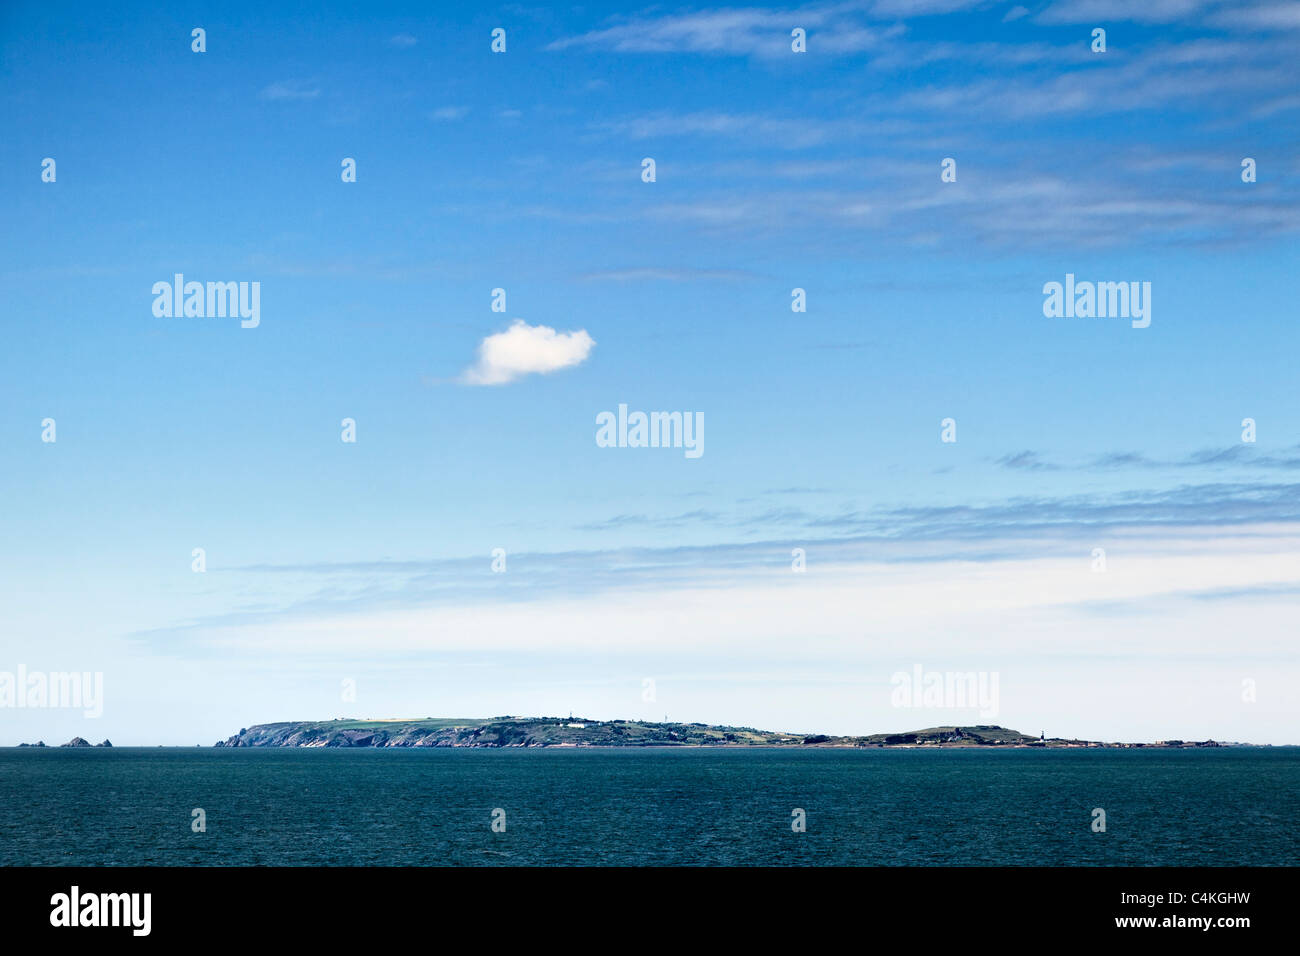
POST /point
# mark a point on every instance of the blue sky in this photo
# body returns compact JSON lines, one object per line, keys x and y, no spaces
{"x":371,"y":561}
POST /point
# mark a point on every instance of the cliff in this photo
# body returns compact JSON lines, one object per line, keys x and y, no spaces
{"x":579,"y":732}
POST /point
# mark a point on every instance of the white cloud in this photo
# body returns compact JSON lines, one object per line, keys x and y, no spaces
{"x":1265,"y":16}
{"x":752,"y":31}
{"x":1155,"y":646}
{"x":1151,"y":11}
{"x":666,"y":275}
{"x":449,"y":113}
{"x":290,"y":90}
{"x":403,"y":40}
{"x":525,"y":349}
{"x":793,"y":133}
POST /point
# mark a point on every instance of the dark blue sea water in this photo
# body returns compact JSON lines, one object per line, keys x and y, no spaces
{"x":864,"y":807}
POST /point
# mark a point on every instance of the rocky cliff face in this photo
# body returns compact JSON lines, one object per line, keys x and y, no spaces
{"x":581,"y":732}
{"x":577,"y":732}
{"x":296,"y":734}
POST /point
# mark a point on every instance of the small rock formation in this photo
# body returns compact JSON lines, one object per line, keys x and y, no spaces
{"x":77,"y":742}
{"x":106,"y":743}
{"x":39,"y":743}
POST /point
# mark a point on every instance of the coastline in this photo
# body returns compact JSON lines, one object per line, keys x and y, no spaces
{"x":512,"y":732}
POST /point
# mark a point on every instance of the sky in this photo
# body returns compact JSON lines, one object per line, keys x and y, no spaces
{"x":355,"y":578}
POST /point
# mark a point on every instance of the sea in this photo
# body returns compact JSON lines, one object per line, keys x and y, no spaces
{"x":638,"y":807}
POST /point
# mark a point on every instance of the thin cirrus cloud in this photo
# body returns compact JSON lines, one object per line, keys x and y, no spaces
{"x":1151,"y":11}
{"x":665,"y":275}
{"x":525,"y":349}
{"x":1233,"y":14}
{"x":735,"y":32}
{"x":289,"y":90}
{"x":847,"y":29}
{"x":841,"y":29}
{"x":1243,"y":455}
{"x":1247,"y":15}
{"x":448,"y":113}
{"x":1036,"y":582}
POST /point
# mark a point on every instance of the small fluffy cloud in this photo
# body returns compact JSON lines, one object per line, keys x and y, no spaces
{"x":525,"y":349}
{"x":403,"y":41}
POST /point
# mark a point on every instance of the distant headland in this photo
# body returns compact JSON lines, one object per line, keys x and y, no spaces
{"x":581,"y":732}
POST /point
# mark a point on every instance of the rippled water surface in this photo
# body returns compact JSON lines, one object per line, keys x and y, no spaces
{"x":1238,"y":806}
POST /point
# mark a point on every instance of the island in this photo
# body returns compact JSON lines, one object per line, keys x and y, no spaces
{"x":511,"y":731}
